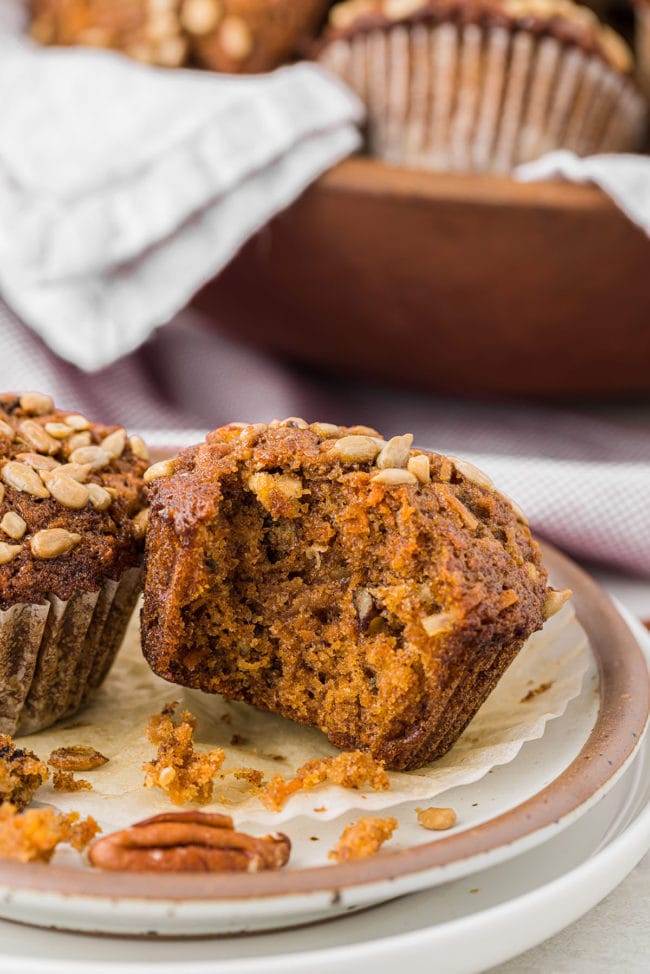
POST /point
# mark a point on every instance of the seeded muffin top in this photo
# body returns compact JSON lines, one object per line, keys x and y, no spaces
{"x":568,"y":22}
{"x":72,"y":503}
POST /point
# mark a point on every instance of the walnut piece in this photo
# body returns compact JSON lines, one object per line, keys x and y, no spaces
{"x":189,"y":842}
{"x":350,"y":769}
{"x":32,"y":836}
{"x":180,"y":771}
{"x":362,"y":838}
{"x":21,"y":773}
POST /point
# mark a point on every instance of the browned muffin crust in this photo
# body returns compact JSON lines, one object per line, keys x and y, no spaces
{"x":567,"y":22}
{"x":91,"y":506}
{"x":371,"y":590}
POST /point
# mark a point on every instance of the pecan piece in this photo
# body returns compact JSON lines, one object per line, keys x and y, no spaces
{"x":189,"y":842}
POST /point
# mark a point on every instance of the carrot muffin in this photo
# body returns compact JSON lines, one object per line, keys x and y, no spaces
{"x":484,"y":85}
{"x":371,"y":590}
{"x":72,"y":512}
{"x":224,"y":35}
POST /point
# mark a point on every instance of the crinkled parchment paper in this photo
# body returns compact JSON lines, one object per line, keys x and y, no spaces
{"x":539,"y":685}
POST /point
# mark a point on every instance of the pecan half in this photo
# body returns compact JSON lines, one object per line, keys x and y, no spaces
{"x":189,"y":842}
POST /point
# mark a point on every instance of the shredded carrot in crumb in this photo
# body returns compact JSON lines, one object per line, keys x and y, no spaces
{"x":66,"y":781}
{"x":351,"y":769}
{"x":184,"y":774}
{"x":362,"y":838}
{"x":32,"y":836}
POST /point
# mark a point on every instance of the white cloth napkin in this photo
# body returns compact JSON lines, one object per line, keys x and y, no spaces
{"x":123,"y":189}
{"x":626,"y":178}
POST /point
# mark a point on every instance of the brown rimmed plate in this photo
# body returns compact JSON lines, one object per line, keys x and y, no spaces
{"x":598,"y":743}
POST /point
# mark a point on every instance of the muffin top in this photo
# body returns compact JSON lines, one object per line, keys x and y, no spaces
{"x":568,"y":22}
{"x":72,"y":501}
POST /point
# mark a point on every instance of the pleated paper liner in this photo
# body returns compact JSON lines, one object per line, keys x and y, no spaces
{"x":475,"y":98}
{"x":55,"y":653}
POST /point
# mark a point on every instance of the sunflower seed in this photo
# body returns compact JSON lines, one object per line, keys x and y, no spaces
{"x":140,"y":522}
{"x":13,"y":525}
{"x":295,"y":422}
{"x":67,"y":491}
{"x":139,"y":448}
{"x":58,"y":430}
{"x":419,"y":467}
{"x":391,"y":477}
{"x":235,"y":38}
{"x":326,"y":430}
{"x":8,"y":552}
{"x":99,"y":497}
{"x":95,"y":456}
{"x":554,"y":601}
{"x":164,"y":468}
{"x":355,"y":449}
{"x":472,"y":473}
{"x":77,"y":441}
{"x":35,"y":435}
{"x":2,"y":493}
{"x":396,"y":452}
{"x":53,"y":542}
{"x":114,"y":443}
{"x":38,"y":461}
{"x":6,"y":430}
{"x":22,"y":477}
{"x":200,"y":16}
{"x":76,"y":422}
{"x":76,"y":471}
{"x":36,"y":403}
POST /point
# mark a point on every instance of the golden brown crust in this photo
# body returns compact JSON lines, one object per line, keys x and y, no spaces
{"x":567,"y":22}
{"x":356,"y":597}
{"x":68,"y":497}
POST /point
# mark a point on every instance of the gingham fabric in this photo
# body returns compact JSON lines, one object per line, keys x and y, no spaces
{"x":583,"y":478}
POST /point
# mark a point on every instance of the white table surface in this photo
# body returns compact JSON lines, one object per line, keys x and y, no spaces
{"x":615,"y":935}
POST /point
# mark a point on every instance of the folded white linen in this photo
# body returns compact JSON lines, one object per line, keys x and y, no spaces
{"x":123,"y":188}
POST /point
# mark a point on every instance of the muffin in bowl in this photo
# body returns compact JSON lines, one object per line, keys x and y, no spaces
{"x":72,"y":518}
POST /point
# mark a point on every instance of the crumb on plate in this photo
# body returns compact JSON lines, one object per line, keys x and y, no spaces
{"x":351,"y":769}
{"x":362,"y":838}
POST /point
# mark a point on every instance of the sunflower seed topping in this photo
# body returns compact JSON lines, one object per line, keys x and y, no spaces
{"x":439,"y":622}
{"x":77,"y":422}
{"x":95,"y":456}
{"x":35,"y":435}
{"x":139,"y":448}
{"x":77,"y":441}
{"x":67,"y":491}
{"x":76,"y":471}
{"x":396,"y":452}
{"x":38,"y":461}
{"x":99,"y":497}
{"x":419,"y":467}
{"x":13,"y":525}
{"x":8,"y":552}
{"x":58,"y":430}
{"x":554,"y":601}
{"x":392,"y":477}
{"x":21,"y":477}
{"x":472,"y":473}
{"x":53,"y":542}
{"x":6,"y":430}
{"x":114,"y":443}
{"x":356,"y":449}
{"x":164,"y":468}
{"x":140,"y":522}
{"x":36,"y":404}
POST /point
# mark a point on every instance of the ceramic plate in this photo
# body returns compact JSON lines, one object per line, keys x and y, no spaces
{"x":505,"y":910}
{"x":551,"y":783}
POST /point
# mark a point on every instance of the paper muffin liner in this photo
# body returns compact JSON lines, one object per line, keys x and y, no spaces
{"x":555,"y":667}
{"x":471,"y":97}
{"x":55,"y":653}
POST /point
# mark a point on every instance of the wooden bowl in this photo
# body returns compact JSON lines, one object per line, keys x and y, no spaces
{"x":463,"y":285}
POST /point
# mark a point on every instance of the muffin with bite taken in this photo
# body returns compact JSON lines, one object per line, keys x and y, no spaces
{"x":347,"y":582}
{"x":72,"y":520}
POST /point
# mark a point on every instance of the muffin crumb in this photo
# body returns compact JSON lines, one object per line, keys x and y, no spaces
{"x":349,"y":770}
{"x":185,"y":775}
{"x":33,"y":836}
{"x":362,"y":839}
{"x":21,"y":773}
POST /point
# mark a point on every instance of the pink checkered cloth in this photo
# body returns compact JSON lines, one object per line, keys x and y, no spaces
{"x":582,"y":477}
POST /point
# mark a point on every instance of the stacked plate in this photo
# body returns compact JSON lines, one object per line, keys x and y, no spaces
{"x":541,"y":841}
